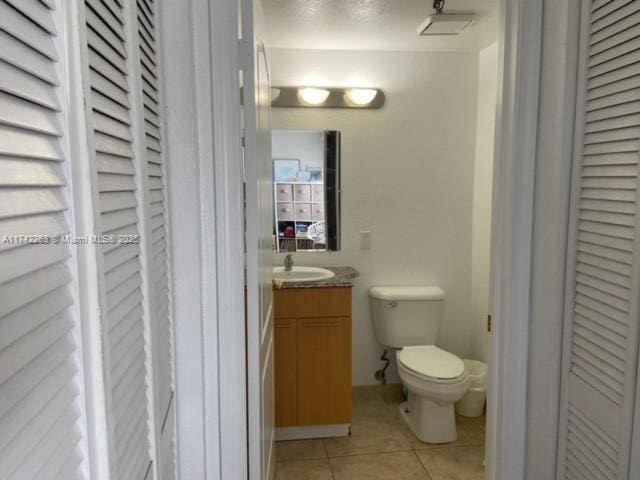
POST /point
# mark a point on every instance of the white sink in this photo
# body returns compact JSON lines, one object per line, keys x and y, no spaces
{"x":302,"y":274}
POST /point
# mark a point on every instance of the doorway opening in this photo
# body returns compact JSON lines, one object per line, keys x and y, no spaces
{"x":415,"y":196}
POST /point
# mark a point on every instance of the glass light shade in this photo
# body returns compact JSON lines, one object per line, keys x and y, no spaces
{"x":361,"y":96}
{"x":313,"y":96}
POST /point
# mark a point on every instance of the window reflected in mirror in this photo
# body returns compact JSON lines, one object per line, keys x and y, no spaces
{"x":306,"y":176}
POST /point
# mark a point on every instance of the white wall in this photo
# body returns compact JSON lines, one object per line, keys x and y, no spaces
{"x":308,"y":147}
{"x":407,"y":175}
{"x":482,"y":187}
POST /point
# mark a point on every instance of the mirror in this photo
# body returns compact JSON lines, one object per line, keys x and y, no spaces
{"x":306,"y":185}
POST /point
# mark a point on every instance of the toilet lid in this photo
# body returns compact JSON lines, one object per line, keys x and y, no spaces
{"x":430,"y":361}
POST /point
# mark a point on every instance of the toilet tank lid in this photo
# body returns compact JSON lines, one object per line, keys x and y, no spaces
{"x":409,"y":292}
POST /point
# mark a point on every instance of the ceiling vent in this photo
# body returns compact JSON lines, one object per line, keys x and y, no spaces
{"x":440,"y":23}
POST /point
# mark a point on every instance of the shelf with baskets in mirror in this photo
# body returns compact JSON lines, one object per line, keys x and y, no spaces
{"x":306,"y":176}
{"x":300,"y":216}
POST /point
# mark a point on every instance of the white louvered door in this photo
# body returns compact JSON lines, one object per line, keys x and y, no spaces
{"x":157,"y":231}
{"x":125,"y":116}
{"x":118,"y":214}
{"x":40,"y":381}
{"x":602,"y":316}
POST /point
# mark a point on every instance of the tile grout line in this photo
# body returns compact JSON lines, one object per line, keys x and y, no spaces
{"x":363,"y":454}
{"x":415,"y":454}
{"x":326,"y":452}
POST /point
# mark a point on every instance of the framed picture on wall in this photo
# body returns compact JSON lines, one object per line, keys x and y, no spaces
{"x":285,"y":169}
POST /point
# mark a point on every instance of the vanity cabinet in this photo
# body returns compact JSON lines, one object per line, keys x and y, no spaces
{"x":313,"y":356}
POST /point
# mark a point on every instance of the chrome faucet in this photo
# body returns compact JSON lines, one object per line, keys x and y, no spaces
{"x":288,"y":263}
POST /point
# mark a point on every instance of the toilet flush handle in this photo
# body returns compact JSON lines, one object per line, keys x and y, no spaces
{"x":392,"y":304}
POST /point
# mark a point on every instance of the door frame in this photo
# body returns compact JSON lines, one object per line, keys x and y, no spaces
{"x":532,"y":178}
{"x":200,"y":55}
{"x":201,"y":51}
{"x":511,"y":235}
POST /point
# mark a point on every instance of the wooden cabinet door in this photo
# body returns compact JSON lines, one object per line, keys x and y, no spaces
{"x":324,"y":371}
{"x":285,"y":357}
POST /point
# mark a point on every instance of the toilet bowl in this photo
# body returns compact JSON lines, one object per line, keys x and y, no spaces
{"x":435,"y":379}
{"x":407,"y":319}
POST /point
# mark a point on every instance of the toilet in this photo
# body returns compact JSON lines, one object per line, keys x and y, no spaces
{"x":407,"y":318}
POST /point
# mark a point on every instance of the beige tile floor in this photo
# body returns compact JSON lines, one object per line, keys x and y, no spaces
{"x":381,"y":447}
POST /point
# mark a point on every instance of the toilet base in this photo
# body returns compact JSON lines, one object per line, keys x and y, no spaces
{"x":431,"y":422}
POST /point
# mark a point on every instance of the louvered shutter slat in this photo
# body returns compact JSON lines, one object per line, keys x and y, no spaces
{"x":28,"y":144}
{"x":98,"y":13}
{"x":123,"y":327}
{"x":102,"y":67}
{"x":615,"y":28}
{"x":70,"y":470}
{"x":615,"y":51}
{"x":112,"y":164}
{"x":602,"y":322}
{"x":14,"y":296}
{"x":24,"y":411}
{"x":32,"y":201}
{"x":29,"y":439}
{"x":57,"y":436}
{"x":124,"y":415}
{"x":119,"y":212}
{"x":37,"y":225}
{"x":124,"y":428}
{"x":20,"y":386}
{"x":36,"y":12}
{"x":19,"y":354}
{"x":112,"y":201}
{"x":34,"y":173}
{"x":122,"y":290}
{"x":29,"y":116}
{"x":21,"y":321}
{"x":107,"y":51}
{"x":109,"y":90}
{"x":157,"y":206}
{"x":27,"y":31}
{"x":39,"y":364}
{"x":24,"y":58}
{"x":605,"y":7}
{"x":116,"y":183}
{"x":41,"y":258}
{"x":622,"y":99}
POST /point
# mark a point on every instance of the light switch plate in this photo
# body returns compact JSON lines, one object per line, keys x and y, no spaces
{"x":365,"y":239}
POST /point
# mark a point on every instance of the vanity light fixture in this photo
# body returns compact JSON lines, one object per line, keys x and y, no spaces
{"x":313,"y":96}
{"x":275,"y":93}
{"x":327,"y":97}
{"x":361,"y":96}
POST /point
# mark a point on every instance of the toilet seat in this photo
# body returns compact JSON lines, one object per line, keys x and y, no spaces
{"x":432,"y":363}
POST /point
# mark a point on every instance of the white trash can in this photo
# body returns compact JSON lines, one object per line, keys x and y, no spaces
{"x":472,"y":404}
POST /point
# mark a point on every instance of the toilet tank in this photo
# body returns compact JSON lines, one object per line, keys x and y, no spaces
{"x":404,"y":316}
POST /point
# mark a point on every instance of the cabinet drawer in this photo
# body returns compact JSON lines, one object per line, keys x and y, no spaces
{"x":285,"y":211}
{"x":317,"y":212}
{"x":312,"y":302}
{"x":302,"y":211}
{"x":302,"y":193}
{"x":317,"y":193}
{"x":284,"y":193}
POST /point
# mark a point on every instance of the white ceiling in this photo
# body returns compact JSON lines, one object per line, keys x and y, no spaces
{"x":388,"y":25}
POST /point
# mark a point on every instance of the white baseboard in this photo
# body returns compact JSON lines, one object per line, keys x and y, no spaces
{"x":313,"y":431}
